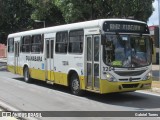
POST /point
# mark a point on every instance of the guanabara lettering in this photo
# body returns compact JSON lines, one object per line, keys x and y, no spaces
{"x":33,"y":58}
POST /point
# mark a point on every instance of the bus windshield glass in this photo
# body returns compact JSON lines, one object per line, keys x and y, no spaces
{"x":127,"y":50}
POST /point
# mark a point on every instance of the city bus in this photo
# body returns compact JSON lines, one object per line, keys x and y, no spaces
{"x":101,"y":56}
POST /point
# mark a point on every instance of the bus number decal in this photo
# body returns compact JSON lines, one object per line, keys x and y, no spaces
{"x":65,"y":63}
{"x":108,"y":68}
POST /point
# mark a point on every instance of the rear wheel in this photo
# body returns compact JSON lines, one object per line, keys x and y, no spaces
{"x":26,"y":75}
{"x":75,"y":85}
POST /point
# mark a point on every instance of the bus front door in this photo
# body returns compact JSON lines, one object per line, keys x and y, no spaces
{"x":93,"y":50}
{"x":16,"y":57}
{"x":49,"y":59}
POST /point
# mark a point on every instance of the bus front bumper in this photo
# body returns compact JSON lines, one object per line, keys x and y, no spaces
{"x":110,"y":87}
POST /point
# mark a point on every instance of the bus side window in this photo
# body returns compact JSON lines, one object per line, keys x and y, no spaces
{"x":61,"y":42}
{"x":76,"y":38}
{"x":26,"y":44}
{"x":10,"y":45}
{"x":36,"y":43}
{"x":42,"y":43}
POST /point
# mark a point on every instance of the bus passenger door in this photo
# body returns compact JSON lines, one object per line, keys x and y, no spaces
{"x":93,"y":50}
{"x":49,"y":59}
{"x":16,"y":66}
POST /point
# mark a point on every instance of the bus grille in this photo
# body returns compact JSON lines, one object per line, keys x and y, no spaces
{"x":127,"y":80}
{"x":130,"y":85}
{"x":129,"y":73}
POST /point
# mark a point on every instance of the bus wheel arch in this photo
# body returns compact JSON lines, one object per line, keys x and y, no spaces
{"x":74,"y":83}
{"x":26,"y":74}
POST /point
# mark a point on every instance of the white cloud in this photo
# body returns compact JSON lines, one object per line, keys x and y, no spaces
{"x":154,"y":20}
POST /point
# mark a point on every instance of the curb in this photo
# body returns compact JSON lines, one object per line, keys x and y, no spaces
{"x":6,"y":107}
{"x":153,"y":90}
{"x":157,"y":90}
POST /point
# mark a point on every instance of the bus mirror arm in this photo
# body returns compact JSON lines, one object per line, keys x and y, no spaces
{"x":103,"y":39}
{"x":152,"y":47}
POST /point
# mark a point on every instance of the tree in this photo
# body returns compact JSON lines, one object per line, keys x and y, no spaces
{"x":74,"y":11}
{"x":80,"y":10}
{"x":14,"y":16}
{"x":45,"y":10}
{"x":19,"y":15}
{"x":138,"y":9}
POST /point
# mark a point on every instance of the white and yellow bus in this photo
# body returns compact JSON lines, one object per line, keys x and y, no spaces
{"x":102,"y":56}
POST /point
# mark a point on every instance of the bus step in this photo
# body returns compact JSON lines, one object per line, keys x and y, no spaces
{"x":49,"y":82}
{"x":92,"y":90}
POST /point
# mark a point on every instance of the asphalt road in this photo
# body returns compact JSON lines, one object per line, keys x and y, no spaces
{"x":40,"y":96}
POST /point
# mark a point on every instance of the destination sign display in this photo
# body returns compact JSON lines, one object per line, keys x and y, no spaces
{"x":125,"y":26}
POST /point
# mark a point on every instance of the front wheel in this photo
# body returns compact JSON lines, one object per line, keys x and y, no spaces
{"x":26,"y":75}
{"x":75,"y":85}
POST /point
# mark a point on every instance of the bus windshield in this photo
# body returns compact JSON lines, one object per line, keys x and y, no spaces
{"x":127,"y":50}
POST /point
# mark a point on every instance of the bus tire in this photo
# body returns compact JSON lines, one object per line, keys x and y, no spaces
{"x":75,"y":85}
{"x":26,"y":75}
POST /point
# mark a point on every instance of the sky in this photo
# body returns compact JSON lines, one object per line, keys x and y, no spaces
{"x":154,"y":20}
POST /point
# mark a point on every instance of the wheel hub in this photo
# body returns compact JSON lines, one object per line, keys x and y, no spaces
{"x":75,"y":85}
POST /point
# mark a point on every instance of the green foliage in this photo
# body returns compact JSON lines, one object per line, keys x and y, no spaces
{"x":3,"y":38}
{"x":15,"y":15}
{"x":45,"y":10}
{"x":138,"y":9}
{"x":19,"y":15}
{"x":74,"y":11}
{"x":80,"y":10}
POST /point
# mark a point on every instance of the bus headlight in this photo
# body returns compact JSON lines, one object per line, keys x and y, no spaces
{"x":110,"y":78}
{"x":148,"y":76}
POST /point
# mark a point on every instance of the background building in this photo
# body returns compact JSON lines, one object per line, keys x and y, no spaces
{"x":3,"y":51}
{"x":154,"y":31}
